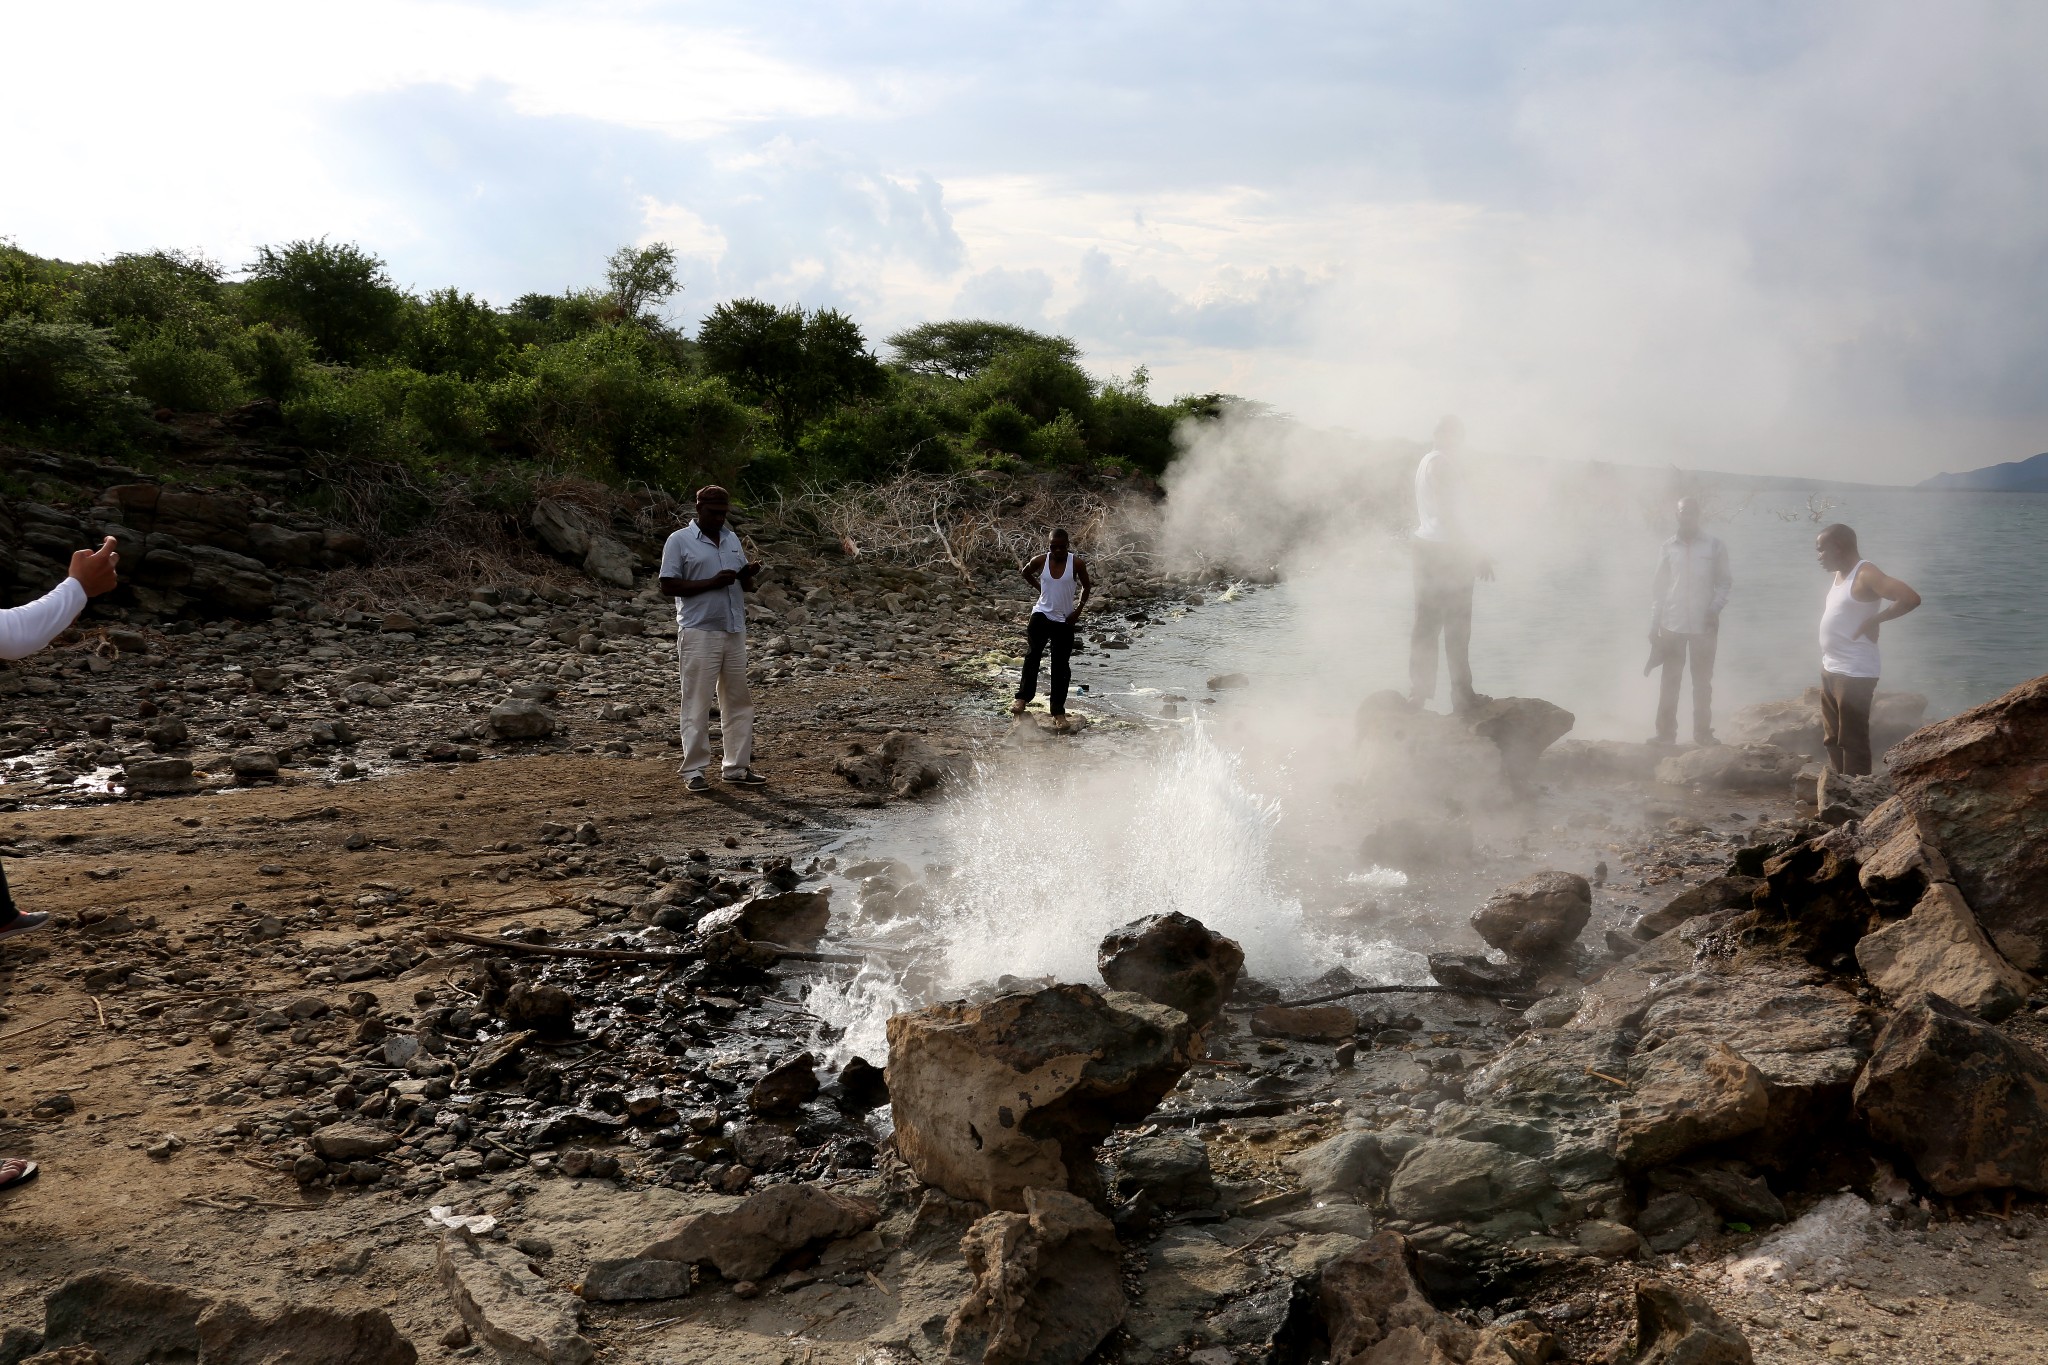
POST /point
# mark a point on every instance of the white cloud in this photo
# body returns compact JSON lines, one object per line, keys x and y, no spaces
{"x":677,"y":226}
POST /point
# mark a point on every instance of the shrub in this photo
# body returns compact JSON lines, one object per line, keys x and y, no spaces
{"x":798,"y":365}
{"x":1060,"y":441}
{"x":64,"y":374}
{"x":275,"y":362}
{"x":874,"y":441}
{"x":999,"y":426}
{"x":1039,"y":381}
{"x":141,"y":295}
{"x":172,"y":372}
{"x":964,"y":348}
{"x":1129,"y":425}
{"x":454,"y":333}
{"x":443,"y":412}
{"x":355,"y":412}
{"x":337,"y":294}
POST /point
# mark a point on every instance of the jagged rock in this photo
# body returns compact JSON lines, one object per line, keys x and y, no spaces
{"x":1536,"y":917}
{"x":1196,"y":1283}
{"x":1940,"y":949}
{"x":563,"y":527}
{"x":1521,"y":1340}
{"x":547,"y":1011}
{"x":167,"y":733}
{"x":1443,"y":1180}
{"x":1841,"y":797}
{"x":609,"y":561}
{"x":903,"y":765}
{"x":1895,"y":865}
{"x":634,"y":1280}
{"x":1734,"y":1191}
{"x":1709,"y":897}
{"x":861,"y":1086}
{"x":63,"y":1355}
{"x":519,"y":718}
{"x":1046,"y":1284}
{"x":158,"y":776}
{"x":1677,"y":1327}
{"x":1813,"y":902}
{"x":1967,"y":1103}
{"x":794,"y":919}
{"x":1376,"y":1313}
{"x":510,"y":1308}
{"x":1673,"y":1220}
{"x":1171,"y":1168}
{"x":128,"y":1320}
{"x":1973,"y":786}
{"x":1175,"y":960}
{"x":1727,"y":767}
{"x":1309,"y":1023}
{"x":300,"y":1334}
{"x":745,"y":1241}
{"x":1350,"y":1161}
{"x":1521,"y":728}
{"x":1687,"y":1093}
{"x":787,"y":1088}
{"x":1794,"y":725}
{"x":992,"y":1099}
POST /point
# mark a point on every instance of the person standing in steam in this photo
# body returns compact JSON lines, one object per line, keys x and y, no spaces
{"x":704,"y":567}
{"x":1848,"y":645}
{"x":1445,"y":567}
{"x":1061,"y":578}
{"x":1689,"y":591}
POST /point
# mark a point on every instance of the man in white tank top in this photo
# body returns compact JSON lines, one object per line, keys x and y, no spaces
{"x":1061,"y":580}
{"x":1848,"y":644}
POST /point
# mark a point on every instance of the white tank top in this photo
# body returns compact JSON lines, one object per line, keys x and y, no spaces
{"x":1055,"y":593}
{"x":1842,"y":650}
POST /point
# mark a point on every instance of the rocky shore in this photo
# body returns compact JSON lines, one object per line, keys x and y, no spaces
{"x":401,"y":1007}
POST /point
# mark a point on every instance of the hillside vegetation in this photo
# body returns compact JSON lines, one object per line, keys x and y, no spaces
{"x":592,"y":382}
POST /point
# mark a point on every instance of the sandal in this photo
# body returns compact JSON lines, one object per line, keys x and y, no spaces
{"x":16,"y":1170}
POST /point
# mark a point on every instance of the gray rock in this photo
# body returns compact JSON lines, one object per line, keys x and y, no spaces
{"x":745,"y":1241}
{"x":1536,"y":917}
{"x":1173,"y":1168}
{"x":352,"y":1141}
{"x":1449,"y":1179}
{"x":631,"y":1280}
{"x":158,"y":776}
{"x":1175,"y":960}
{"x":1350,"y":1161}
{"x":521,"y":719}
{"x":251,"y":763}
{"x":1726,"y":767}
{"x":1687,"y":1093}
{"x":1673,"y":1220}
{"x":1940,"y":949}
{"x":564,"y":527}
{"x":1676,"y":1326}
{"x":510,"y":1308}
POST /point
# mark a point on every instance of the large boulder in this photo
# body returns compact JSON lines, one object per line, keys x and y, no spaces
{"x":1895,"y":863}
{"x":1733,"y":768}
{"x":992,"y":1099}
{"x":1940,"y":949}
{"x":1047,"y":1285}
{"x":1537,"y":917}
{"x":1171,"y":1169}
{"x":1375,"y":1311}
{"x":519,"y":718}
{"x":1444,"y":1180}
{"x":1968,"y":1104}
{"x":1974,"y":785}
{"x":903,"y":765}
{"x":745,"y":1241}
{"x":1690,"y":1092}
{"x":793,"y":919}
{"x":1175,"y":960}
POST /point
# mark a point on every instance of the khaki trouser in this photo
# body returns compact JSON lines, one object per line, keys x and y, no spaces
{"x":1845,"y":721}
{"x":715,"y":660}
{"x":1675,"y":649}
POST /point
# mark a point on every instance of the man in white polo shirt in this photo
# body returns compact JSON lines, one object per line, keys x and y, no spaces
{"x":704,"y":567}
{"x":1445,"y":567}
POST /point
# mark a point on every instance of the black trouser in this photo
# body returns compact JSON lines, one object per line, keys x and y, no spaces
{"x":1443,"y":610}
{"x":1674,"y":649}
{"x":1060,"y":634}
{"x":8,"y":913}
{"x":1845,"y":721}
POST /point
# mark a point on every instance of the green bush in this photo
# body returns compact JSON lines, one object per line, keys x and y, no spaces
{"x":275,"y":362}
{"x":797,"y":365}
{"x":32,"y":287}
{"x":155,"y":297}
{"x":999,"y":426}
{"x":454,"y":333}
{"x":875,"y":441}
{"x":1128,"y":425}
{"x":443,"y":412}
{"x":352,"y":412}
{"x":65,"y":375}
{"x":172,"y":372}
{"x":337,"y":294}
{"x":1060,"y":441}
{"x":1039,"y":381}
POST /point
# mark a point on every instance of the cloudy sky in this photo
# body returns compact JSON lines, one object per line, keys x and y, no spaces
{"x":1776,"y":237}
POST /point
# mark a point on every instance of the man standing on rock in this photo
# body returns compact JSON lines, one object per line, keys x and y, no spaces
{"x":704,"y":567}
{"x":1848,"y":645}
{"x":1445,"y":567}
{"x":1689,"y":591}
{"x":1061,"y":580}
{"x":23,"y":631}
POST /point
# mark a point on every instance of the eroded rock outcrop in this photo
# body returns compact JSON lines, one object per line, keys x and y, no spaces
{"x":1939,"y":948}
{"x":1676,"y":1326}
{"x":1690,"y":1092}
{"x":1046,"y":1284}
{"x":129,"y":1320}
{"x":996,"y":1098}
{"x":1974,"y":785}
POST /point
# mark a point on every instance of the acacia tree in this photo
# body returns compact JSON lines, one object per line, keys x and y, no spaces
{"x":797,"y":365}
{"x":336,"y":293}
{"x":965,"y":347}
{"x":641,"y":277}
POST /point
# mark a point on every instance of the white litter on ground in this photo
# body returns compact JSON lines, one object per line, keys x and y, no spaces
{"x":1815,"y":1247}
{"x":447,"y":1217}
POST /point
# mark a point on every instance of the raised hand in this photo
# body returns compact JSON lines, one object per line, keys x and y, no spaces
{"x":94,"y":569}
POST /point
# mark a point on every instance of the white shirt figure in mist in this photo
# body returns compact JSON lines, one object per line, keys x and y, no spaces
{"x":1445,"y":567}
{"x":1690,"y":589}
{"x":23,"y":631}
{"x":704,"y":567}
{"x":1848,"y":644}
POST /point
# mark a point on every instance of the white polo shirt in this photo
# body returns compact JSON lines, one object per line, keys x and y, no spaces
{"x":689,"y":553}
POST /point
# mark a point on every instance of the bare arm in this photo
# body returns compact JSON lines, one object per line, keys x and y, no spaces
{"x":1087,"y":585}
{"x":1031,"y":572}
{"x":1879,"y":584}
{"x":690,"y":587}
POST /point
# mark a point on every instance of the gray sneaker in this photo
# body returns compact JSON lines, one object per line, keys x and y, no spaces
{"x":746,"y":777}
{"x":27,"y":922}
{"x":696,"y":782}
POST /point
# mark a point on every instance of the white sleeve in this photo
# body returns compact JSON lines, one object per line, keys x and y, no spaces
{"x":26,"y":629}
{"x":672,"y":556}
